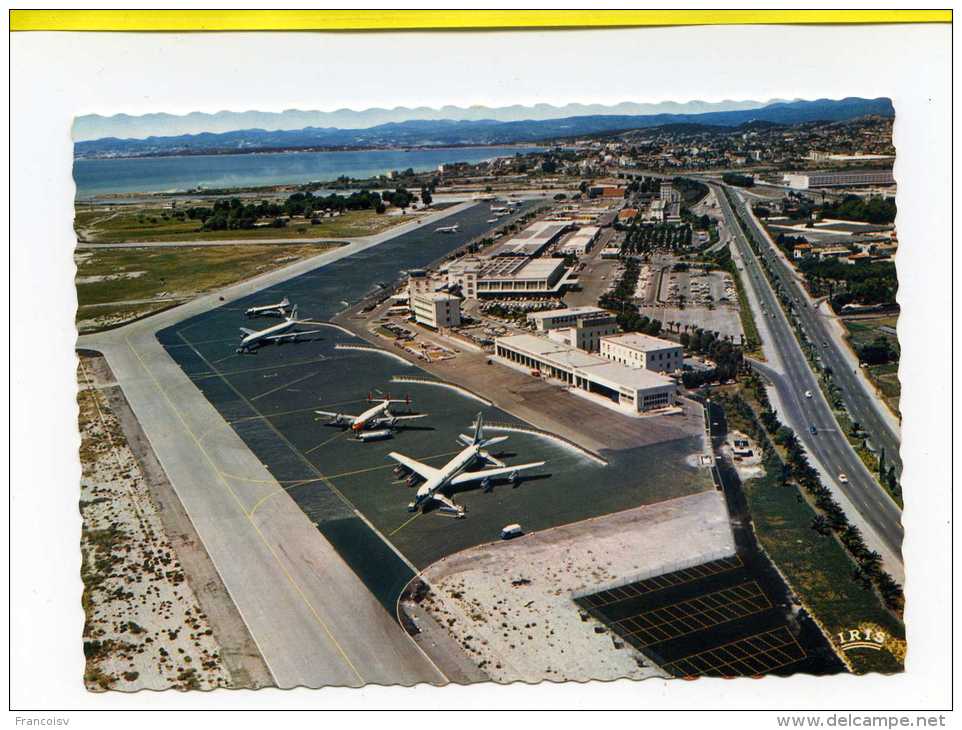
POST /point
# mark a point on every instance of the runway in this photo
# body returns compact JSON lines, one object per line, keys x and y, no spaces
{"x":313,"y":620}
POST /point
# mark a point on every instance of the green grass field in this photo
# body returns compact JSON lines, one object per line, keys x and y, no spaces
{"x":817,"y":566}
{"x":130,"y":224}
{"x":820,"y":571}
{"x":127,"y":283}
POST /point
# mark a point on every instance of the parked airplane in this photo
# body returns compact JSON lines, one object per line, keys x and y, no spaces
{"x":376,"y":416}
{"x":252,"y":339}
{"x":454,"y":474}
{"x":448,"y":229}
{"x":499,"y":209}
{"x":280,"y":308}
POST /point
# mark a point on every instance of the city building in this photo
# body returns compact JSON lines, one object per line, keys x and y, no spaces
{"x":436,"y":309}
{"x":567,"y":317}
{"x":635,"y":350}
{"x":419,"y":282}
{"x":606,"y":191}
{"x":840,"y":179}
{"x":580,"y":242}
{"x":579,"y":327}
{"x":533,"y":240}
{"x":506,"y":276}
{"x":634,"y":390}
{"x":668,"y":193}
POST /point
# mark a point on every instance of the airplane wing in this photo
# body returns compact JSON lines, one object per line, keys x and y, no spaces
{"x":246,"y":331}
{"x":331,"y":414}
{"x":404,"y":418}
{"x":292,"y":335}
{"x":476,"y":476}
{"x":425,"y":471}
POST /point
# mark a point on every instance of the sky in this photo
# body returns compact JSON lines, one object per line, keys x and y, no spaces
{"x":124,"y":126}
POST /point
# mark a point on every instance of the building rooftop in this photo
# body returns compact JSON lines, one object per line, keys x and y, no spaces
{"x":614,"y":375}
{"x":567,"y":311}
{"x":640,"y":342}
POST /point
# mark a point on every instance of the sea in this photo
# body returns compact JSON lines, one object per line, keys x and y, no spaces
{"x":99,"y":177}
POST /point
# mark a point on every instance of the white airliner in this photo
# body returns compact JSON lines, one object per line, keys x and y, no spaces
{"x":454,"y":474}
{"x":282,"y":332}
{"x":374,"y":417}
{"x":280,"y":308}
{"x":448,"y":229}
{"x":499,"y":210}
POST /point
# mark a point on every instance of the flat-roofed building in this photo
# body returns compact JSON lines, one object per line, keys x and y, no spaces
{"x":839,"y":179}
{"x":635,"y":350}
{"x":634,"y":390}
{"x":436,"y":309}
{"x":534,"y":239}
{"x":567,"y":317}
{"x":521,"y":277}
{"x":580,"y":242}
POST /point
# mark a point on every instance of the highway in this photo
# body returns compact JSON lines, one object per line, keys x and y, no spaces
{"x":862,"y":406}
{"x":877,"y":514}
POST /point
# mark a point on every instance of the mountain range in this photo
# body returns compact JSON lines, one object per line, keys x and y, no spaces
{"x":464,"y":132}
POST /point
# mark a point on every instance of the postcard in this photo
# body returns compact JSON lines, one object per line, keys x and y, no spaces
{"x":467,"y":395}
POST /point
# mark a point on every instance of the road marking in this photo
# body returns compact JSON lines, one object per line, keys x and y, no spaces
{"x":405,"y":524}
{"x":286,"y":385}
{"x":326,"y":442}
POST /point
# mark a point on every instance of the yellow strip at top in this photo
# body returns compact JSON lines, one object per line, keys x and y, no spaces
{"x":399,"y":20}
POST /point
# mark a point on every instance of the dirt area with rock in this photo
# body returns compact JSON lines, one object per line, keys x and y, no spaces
{"x":144,"y":626}
{"x":510,"y":607}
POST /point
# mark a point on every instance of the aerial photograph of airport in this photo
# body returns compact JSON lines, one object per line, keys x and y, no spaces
{"x":459,"y":395}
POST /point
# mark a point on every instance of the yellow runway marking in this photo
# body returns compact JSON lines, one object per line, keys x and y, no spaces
{"x":406,"y":523}
{"x":325,"y":443}
{"x":286,"y":385}
{"x":386,"y":466}
{"x":297,"y":410}
{"x":240,"y":505}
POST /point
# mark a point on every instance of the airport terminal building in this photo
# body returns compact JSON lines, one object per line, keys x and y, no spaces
{"x":635,"y":390}
{"x":635,"y":350}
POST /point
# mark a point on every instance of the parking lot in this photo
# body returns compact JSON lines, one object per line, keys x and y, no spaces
{"x":719,"y":619}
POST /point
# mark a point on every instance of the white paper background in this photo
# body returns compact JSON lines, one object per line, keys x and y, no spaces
{"x":57,"y":76}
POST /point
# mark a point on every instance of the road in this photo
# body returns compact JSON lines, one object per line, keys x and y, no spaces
{"x":792,"y":377}
{"x":863,"y":406}
{"x":313,"y":620}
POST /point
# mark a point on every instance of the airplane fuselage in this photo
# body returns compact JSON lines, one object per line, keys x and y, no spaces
{"x":363,"y":421}
{"x":458,"y":464}
{"x":253,"y":339}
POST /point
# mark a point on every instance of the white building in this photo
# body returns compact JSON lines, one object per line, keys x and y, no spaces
{"x":635,"y":350}
{"x":567,"y":317}
{"x":506,"y":276}
{"x":579,"y":243}
{"x":533,"y":240}
{"x":806,"y":180}
{"x":436,"y":309}
{"x":631,"y":389}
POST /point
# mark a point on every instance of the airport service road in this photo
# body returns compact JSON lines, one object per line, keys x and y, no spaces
{"x":828,"y":447}
{"x":314,"y":622}
{"x":864,"y":406}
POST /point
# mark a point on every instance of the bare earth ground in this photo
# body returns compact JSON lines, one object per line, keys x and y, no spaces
{"x":160,"y":611}
{"x":510,"y":604}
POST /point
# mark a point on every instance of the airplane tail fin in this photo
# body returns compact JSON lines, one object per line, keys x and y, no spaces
{"x":294,"y":312}
{"x":479,"y":428}
{"x":285,"y":302}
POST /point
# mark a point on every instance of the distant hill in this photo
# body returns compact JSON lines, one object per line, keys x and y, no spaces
{"x":446,"y":132}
